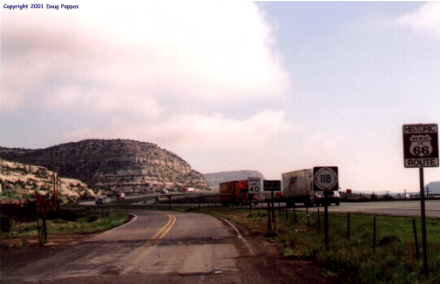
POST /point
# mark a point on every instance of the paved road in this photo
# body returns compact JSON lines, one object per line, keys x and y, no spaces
{"x":409,"y":208}
{"x":92,"y":202}
{"x":156,"y":247}
{"x":174,"y":247}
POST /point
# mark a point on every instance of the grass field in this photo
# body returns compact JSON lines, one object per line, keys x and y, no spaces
{"x":64,"y":222}
{"x":358,"y":255}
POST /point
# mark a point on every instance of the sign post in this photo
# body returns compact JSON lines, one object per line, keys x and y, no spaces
{"x":254,"y":185}
{"x":325,"y":179}
{"x":420,"y":150}
{"x":271,"y":185}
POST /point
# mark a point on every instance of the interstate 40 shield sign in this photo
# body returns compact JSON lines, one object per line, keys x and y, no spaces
{"x":420,"y":145}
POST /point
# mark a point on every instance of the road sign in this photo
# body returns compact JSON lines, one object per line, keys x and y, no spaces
{"x":325,"y":178}
{"x":420,"y":145}
{"x":420,"y":150}
{"x":44,"y":205}
{"x":254,"y":185}
{"x":272,"y":185}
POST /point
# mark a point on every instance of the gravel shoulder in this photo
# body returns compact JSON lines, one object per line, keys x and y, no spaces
{"x":268,"y":259}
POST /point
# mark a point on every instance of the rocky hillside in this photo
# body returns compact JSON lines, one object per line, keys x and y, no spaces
{"x":19,"y":182}
{"x":114,"y":164}
{"x":214,"y":179}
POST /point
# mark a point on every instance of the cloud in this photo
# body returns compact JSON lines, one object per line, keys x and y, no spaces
{"x":116,"y":57}
{"x":189,"y":76}
{"x":426,"y":19}
{"x":324,"y":143}
{"x":219,"y":132}
{"x":196,"y":132}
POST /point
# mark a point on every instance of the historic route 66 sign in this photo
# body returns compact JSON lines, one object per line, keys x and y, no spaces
{"x":420,"y":145}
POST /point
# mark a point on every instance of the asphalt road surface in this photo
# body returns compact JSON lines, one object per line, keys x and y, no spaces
{"x":159,"y":247}
{"x":410,"y":208}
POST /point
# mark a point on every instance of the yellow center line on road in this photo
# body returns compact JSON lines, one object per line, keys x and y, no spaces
{"x":137,"y":255}
{"x":163,"y":231}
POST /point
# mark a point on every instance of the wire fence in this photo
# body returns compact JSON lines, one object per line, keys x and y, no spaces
{"x":376,"y":229}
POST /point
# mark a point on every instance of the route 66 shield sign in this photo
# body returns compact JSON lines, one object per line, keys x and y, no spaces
{"x":420,"y":145}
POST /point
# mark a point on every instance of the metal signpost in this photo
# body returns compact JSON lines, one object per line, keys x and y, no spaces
{"x":420,"y":150}
{"x":42,"y":207}
{"x":325,"y":179}
{"x":271,"y":185}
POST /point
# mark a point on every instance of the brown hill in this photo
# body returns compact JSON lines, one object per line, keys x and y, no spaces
{"x":113,"y":164}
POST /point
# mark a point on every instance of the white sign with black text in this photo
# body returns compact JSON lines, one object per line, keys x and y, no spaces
{"x":254,"y":185}
{"x":325,"y":178}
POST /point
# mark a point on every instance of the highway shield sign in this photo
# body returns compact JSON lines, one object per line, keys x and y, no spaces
{"x":325,"y":178}
{"x":420,"y":145}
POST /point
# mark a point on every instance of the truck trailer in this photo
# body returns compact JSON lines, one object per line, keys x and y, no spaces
{"x":236,"y":192}
{"x":298,"y":188}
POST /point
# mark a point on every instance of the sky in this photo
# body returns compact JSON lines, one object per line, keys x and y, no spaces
{"x":229,"y":85}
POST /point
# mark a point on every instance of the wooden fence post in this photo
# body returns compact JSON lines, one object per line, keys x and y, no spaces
{"x":318,"y":222}
{"x":374,"y":234}
{"x":415,"y":238}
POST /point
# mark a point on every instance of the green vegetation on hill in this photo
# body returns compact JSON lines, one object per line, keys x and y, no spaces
{"x":118,"y":164}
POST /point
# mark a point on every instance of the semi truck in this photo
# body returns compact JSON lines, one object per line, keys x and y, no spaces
{"x":236,"y":192}
{"x":298,"y":188}
{"x":189,"y":189}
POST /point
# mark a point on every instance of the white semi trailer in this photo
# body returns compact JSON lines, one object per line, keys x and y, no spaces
{"x":298,"y":187}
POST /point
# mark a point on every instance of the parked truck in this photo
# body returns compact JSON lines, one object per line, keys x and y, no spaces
{"x":298,"y":188}
{"x":236,"y":192}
